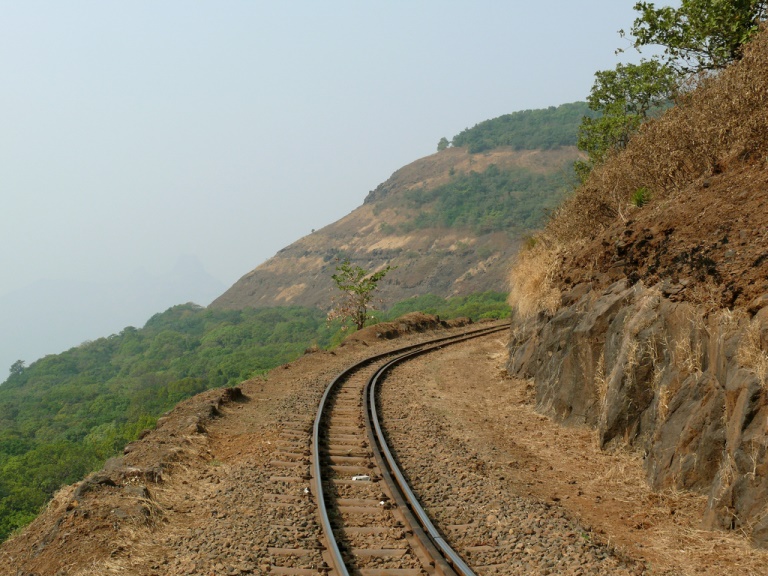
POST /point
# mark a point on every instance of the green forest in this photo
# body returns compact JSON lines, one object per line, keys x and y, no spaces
{"x":543,"y":129}
{"x":515,"y":199}
{"x":487,"y":305}
{"x":62,"y":416}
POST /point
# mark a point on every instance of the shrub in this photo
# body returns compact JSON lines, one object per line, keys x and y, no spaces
{"x":640,"y":197}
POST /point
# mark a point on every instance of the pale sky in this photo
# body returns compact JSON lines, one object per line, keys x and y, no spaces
{"x":134,"y":133}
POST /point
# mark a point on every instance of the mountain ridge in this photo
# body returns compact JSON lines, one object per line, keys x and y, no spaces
{"x":384,"y":230}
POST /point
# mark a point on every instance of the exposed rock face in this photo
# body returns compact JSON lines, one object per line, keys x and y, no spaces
{"x":686,"y":388}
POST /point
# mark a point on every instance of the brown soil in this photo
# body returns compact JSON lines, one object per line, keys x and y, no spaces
{"x":708,"y":243}
{"x":189,"y":497}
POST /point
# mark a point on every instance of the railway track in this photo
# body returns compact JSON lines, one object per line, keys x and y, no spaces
{"x":372,"y":522}
{"x":337,"y":506}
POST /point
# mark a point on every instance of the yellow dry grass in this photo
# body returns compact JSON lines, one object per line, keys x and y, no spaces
{"x":291,"y":292}
{"x":668,"y":521}
{"x":532,"y":286}
{"x":751,"y":354}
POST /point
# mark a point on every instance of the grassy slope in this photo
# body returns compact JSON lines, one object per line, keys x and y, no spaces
{"x":451,"y":222}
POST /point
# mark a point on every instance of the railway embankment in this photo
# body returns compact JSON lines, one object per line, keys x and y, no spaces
{"x":684,"y":388}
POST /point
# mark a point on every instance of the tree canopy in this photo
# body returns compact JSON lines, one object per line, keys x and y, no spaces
{"x":625,"y":97}
{"x":543,"y":129}
{"x":698,"y":38}
{"x":699,"y":35}
{"x":492,"y":200}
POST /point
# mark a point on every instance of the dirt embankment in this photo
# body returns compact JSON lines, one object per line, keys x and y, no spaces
{"x":188,"y":497}
{"x":707,"y":244}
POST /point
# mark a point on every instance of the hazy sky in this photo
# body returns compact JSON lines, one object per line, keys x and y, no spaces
{"x":135,"y":132}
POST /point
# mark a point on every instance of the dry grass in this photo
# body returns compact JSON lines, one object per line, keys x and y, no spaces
{"x":632,"y":353}
{"x":655,"y":348}
{"x":687,"y":351}
{"x":707,"y":295}
{"x":623,"y":471}
{"x":687,"y":356}
{"x":704,"y":544}
{"x":751,"y":354}
{"x":634,"y":347}
{"x":125,"y":557}
{"x":600,"y":380}
{"x":724,"y":121}
{"x":729,"y":321}
{"x":532,"y":286}
{"x":666,"y":522}
{"x":662,"y":409}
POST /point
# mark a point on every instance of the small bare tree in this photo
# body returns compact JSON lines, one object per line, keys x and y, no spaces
{"x":356,"y":286}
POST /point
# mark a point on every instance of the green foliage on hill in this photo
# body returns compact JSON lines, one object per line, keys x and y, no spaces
{"x":486,"y":305}
{"x":64,"y":415}
{"x":511,"y":199}
{"x":544,"y":129}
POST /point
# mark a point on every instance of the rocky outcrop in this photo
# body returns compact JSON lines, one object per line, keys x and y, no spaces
{"x":684,"y":386}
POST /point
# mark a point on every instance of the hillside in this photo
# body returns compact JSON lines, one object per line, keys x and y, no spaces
{"x":648,"y":320}
{"x":65,"y":414}
{"x":643,"y":325}
{"x":450,"y":222}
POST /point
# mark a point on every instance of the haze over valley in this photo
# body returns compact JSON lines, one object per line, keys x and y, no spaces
{"x":51,"y":316}
{"x":136,"y":134}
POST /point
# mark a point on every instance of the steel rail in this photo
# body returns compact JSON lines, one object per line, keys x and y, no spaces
{"x":317,"y":477}
{"x":387,"y":461}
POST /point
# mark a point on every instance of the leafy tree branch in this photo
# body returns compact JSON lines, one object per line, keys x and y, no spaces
{"x":356,"y":286}
{"x":700,"y":35}
{"x":699,"y":38}
{"x":626,"y":97}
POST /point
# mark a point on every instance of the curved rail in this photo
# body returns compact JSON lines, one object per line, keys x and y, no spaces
{"x":435,"y":545}
{"x":387,"y":460}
